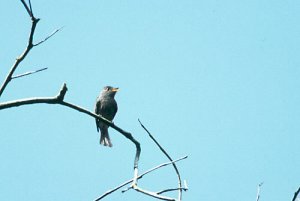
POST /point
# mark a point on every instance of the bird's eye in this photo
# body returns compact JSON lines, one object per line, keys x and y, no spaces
{"x":107,"y":89}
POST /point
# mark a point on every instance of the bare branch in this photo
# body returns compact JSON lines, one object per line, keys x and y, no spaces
{"x":30,"y":7}
{"x":152,"y":194}
{"x":258,"y":191}
{"x":26,"y":51}
{"x":111,"y":124}
{"x":61,"y":95}
{"x":59,"y":99}
{"x":28,"y":73}
{"x":48,"y":100}
{"x":296,"y":194}
{"x":171,"y":189}
{"x":169,"y":157}
{"x":185,"y":185}
{"x":45,"y":39}
{"x":139,"y":177}
{"x":29,"y":10}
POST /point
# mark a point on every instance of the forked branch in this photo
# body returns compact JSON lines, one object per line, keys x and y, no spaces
{"x":29,"y":46}
{"x":180,"y":188}
{"x":139,"y":177}
{"x":59,"y":99}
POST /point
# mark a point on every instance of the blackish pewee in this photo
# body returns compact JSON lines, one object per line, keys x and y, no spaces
{"x":107,"y":107}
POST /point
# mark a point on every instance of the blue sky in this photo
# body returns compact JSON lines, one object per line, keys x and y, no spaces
{"x":215,"y":80}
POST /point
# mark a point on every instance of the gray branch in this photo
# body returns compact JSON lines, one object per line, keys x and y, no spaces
{"x":296,"y":194}
{"x":180,"y":188}
{"x":45,"y":39}
{"x":34,"y":22}
{"x":30,"y":45}
{"x":139,"y":177}
{"x":59,"y":99}
{"x":258,"y":191}
{"x":28,"y":73}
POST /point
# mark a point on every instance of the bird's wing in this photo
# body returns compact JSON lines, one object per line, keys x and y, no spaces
{"x":97,"y":111}
{"x":108,"y":108}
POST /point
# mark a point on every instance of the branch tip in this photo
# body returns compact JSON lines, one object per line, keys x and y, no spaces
{"x":29,"y":10}
{"x":296,"y":194}
{"x":169,"y":157}
{"x":185,"y":185}
{"x":29,"y":73}
{"x":48,"y":37}
{"x":60,"y":97}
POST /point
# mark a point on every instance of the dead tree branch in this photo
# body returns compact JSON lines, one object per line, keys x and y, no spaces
{"x":30,"y":45}
{"x":155,"y":194}
{"x":34,"y":22}
{"x":180,"y":188}
{"x":28,"y":9}
{"x":28,"y":73}
{"x":296,"y":194}
{"x":139,"y":177}
{"x":258,"y":191}
{"x":172,"y":189}
{"x":59,"y":99}
{"x":45,"y":39}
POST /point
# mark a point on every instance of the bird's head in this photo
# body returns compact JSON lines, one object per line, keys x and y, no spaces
{"x":109,"y":91}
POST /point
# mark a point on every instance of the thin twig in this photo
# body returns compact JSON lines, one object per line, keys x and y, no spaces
{"x":29,"y":10}
{"x":171,"y":189}
{"x":45,"y":39}
{"x":139,"y":177}
{"x":296,"y":194}
{"x":169,"y":157}
{"x":185,"y":184}
{"x":153,"y":194}
{"x":28,"y":73}
{"x":159,"y":166}
{"x":26,"y":51}
{"x":258,"y":191}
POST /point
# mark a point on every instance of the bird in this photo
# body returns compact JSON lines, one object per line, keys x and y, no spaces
{"x":107,"y":107}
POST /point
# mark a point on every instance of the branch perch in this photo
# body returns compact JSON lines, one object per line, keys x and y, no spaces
{"x":296,"y":194}
{"x":59,"y":99}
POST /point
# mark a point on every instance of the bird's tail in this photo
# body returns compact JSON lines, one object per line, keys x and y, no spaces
{"x":104,"y":139}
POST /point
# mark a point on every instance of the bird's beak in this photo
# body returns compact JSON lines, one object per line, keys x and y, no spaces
{"x":115,"y":89}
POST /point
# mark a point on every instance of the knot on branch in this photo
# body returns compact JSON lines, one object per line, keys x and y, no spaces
{"x":35,"y":20}
{"x":61,"y":95}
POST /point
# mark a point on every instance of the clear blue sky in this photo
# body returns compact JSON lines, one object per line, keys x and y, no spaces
{"x":215,"y":80}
